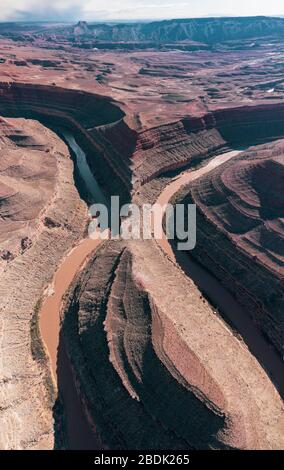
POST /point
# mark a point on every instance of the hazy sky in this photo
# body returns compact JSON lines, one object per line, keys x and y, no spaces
{"x":133,"y":9}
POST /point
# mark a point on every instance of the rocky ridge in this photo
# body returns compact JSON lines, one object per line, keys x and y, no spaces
{"x":26,"y":392}
{"x":150,"y":380}
{"x":240,"y":230}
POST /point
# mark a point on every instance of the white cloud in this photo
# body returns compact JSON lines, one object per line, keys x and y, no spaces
{"x":36,"y":10}
{"x":134,"y":9}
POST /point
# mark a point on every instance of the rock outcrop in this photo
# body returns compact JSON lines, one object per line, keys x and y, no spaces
{"x":36,"y":175}
{"x":240,"y":235}
{"x":123,"y":158}
{"x":86,"y":115}
{"x":192,"y":141}
{"x":147,"y":377}
{"x":28,"y":180}
{"x":207,"y":30}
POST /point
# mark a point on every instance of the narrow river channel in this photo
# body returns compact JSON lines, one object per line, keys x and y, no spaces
{"x":215,"y":291}
{"x":79,"y":433}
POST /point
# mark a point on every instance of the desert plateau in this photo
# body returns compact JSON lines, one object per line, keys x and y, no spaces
{"x":120,"y":343}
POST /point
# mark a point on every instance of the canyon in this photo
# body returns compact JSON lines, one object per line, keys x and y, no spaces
{"x":131,"y":344}
{"x":191,"y":33}
{"x":44,"y":217}
{"x":243,"y":206}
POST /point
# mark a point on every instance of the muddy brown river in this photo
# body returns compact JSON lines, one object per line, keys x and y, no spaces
{"x":79,"y":434}
{"x":78,"y":431}
{"x":225,"y":302}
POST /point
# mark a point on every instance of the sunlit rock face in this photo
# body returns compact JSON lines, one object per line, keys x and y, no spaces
{"x":154,"y":365}
{"x":241,"y":232}
{"x":41,"y":218}
{"x":147,"y":375}
{"x":91,"y":118}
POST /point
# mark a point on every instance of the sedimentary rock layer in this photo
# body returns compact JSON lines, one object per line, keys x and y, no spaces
{"x":192,"y":140}
{"x":240,"y":233}
{"x":123,"y":158}
{"x":89,"y":116}
{"x":28,"y":180}
{"x":147,"y":376}
{"x":41,"y":218}
{"x":155,"y":367}
{"x":209,"y":30}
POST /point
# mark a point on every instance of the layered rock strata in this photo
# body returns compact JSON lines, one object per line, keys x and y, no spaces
{"x":191,"y":141}
{"x":152,"y":371}
{"x":123,"y":158}
{"x":240,"y":232}
{"x":185,"y":30}
{"x":147,"y":376}
{"x":87,"y":115}
{"x":41,"y":218}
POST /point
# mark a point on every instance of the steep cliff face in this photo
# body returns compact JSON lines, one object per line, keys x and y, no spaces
{"x":194,"y":139}
{"x":28,"y":180}
{"x":208,"y":30}
{"x":87,"y":115}
{"x":204,"y":30}
{"x":123,"y":158}
{"x":41,"y":218}
{"x":242,"y":125}
{"x":240,"y":234}
{"x":171,"y":147}
{"x":147,"y":377}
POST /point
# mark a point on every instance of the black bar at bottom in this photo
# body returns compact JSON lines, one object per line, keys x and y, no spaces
{"x":128,"y":459}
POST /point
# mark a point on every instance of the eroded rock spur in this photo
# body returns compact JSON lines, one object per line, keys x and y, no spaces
{"x":132,"y":344}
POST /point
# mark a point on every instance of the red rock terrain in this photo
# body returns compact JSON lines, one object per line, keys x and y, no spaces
{"x":152,"y":380}
{"x":42,"y":216}
{"x":240,"y":231}
{"x":131,"y":158}
{"x":154,"y":365}
{"x":26,"y":187}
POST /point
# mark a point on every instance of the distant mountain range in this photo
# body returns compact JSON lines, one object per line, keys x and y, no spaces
{"x":208,"y":30}
{"x":201,"y":30}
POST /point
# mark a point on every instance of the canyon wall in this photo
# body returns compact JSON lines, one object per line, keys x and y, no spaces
{"x":90,"y":118}
{"x":41,"y":218}
{"x":242,"y":125}
{"x":122,"y":158}
{"x":240,"y":232}
{"x":147,"y":378}
{"x":191,"y":141}
{"x":208,"y":30}
{"x":152,"y":371}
